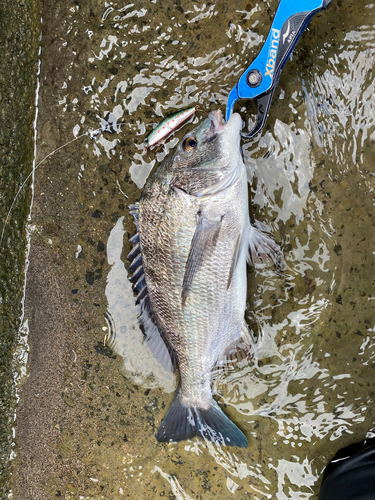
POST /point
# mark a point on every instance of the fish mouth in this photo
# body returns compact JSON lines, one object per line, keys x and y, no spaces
{"x":218,"y":123}
{"x":217,"y":119}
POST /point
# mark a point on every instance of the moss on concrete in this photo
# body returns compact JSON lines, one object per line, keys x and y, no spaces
{"x":19,"y":41}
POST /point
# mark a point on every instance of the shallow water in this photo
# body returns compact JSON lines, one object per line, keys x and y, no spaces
{"x":309,"y":389}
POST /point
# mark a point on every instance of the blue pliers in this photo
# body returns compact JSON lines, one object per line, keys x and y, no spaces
{"x":259,"y":80}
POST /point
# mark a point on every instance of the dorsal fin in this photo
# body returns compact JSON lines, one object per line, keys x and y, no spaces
{"x":134,"y":239}
{"x":143,"y":292}
{"x":137,"y":274}
{"x":140,"y":283}
{"x":134,"y":211}
{"x":134,"y":256}
{"x":154,"y":337}
{"x":135,"y":263}
{"x":135,"y":251}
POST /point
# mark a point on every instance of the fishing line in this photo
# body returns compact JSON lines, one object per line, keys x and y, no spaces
{"x":92,"y":134}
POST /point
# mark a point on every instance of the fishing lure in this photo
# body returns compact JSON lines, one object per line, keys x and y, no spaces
{"x":169,"y":125}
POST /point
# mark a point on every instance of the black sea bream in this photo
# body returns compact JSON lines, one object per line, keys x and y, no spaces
{"x":189,"y":270}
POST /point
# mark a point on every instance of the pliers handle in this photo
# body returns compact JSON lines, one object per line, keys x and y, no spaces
{"x":260,"y":78}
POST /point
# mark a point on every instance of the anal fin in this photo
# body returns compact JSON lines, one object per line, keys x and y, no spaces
{"x":238,"y":353}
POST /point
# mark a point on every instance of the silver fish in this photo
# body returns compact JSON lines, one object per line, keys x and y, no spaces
{"x":189,"y":265}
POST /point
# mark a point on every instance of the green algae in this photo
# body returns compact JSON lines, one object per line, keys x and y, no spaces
{"x":19,"y":41}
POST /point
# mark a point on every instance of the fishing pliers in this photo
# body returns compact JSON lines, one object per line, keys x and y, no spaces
{"x":259,"y":80}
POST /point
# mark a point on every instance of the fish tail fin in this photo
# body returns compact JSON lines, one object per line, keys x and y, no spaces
{"x":183,"y":422}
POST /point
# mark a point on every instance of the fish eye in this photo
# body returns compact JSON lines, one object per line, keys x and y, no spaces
{"x":189,"y":143}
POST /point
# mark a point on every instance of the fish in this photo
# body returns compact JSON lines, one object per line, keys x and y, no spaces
{"x":188,"y":266}
{"x":168,"y":126}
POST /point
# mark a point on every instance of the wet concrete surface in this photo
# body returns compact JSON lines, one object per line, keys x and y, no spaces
{"x":75,"y":405}
{"x":92,"y":401}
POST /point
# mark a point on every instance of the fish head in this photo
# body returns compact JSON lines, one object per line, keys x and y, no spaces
{"x":209,"y":158}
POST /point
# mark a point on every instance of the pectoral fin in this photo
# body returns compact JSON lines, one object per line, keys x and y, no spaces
{"x":202,"y":245}
{"x":236,"y":254}
{"x":263,"y":251}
